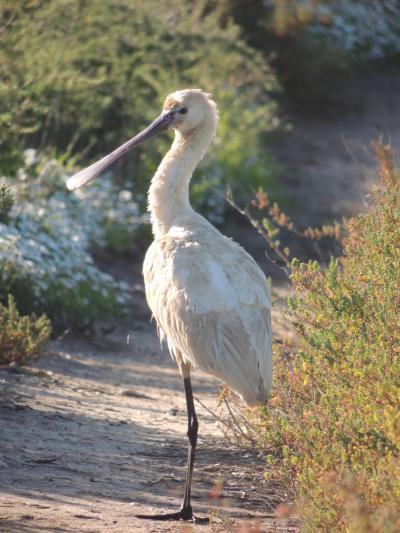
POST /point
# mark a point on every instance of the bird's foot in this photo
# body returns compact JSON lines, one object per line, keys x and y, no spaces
{"x":185,"y":514}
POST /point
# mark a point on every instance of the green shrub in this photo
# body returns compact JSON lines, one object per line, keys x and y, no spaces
{"x":6,"y":203}
{"x":21,"y":337}
{"x":85,"y":76}
{"x":332,"y":429}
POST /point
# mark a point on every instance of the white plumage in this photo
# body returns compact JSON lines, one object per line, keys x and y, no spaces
{"x":211,"y":301}
{"x":209,"y":297}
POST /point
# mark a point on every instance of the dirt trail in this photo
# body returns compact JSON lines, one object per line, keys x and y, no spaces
{"x":93,"y":434}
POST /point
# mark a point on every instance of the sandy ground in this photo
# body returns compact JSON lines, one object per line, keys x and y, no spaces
{"x":94,"y":433}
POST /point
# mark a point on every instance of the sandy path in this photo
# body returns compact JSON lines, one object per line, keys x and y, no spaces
{"x":92,"y":435}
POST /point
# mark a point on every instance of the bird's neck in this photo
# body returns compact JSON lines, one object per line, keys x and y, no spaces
{"x":168,"y":198}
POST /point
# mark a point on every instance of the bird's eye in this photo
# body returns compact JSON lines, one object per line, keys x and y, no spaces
{"x":183,"y":110}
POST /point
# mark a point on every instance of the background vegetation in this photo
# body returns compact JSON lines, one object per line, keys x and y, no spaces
{"x":46,"y":240}
{"x":21,"y":337}
{"x":310,"y":43}
{"x":77,"y":79}
{"x":83,"y":77}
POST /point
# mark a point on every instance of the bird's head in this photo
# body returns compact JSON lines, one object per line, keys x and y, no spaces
{"x":185,"y":111}
{"x":191,"y":109}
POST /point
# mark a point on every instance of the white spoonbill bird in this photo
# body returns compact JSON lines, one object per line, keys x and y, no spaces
{"x":210,"y":299}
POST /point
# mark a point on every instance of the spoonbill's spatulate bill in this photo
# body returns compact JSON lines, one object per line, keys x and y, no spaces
{"x":209,"y":297}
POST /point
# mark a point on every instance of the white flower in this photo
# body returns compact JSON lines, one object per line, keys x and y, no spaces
{"x":125,"y":196}
{"x":30,"y":157}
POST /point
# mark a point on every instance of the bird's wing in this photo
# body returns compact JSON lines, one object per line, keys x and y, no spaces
{"x":213,"y":305}
{"x":246,"y":278}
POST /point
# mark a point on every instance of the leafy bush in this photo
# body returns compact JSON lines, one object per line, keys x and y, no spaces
{"x":21,"y":337}
{"x":6,"y":203}
{"x":45,"y":259}
{"x":332,"y":429}
{"x":85,"y":76}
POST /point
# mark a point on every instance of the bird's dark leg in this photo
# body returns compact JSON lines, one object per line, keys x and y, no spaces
{"x":193,"y":427}
{"x":185,"y":512}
